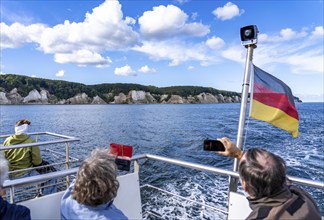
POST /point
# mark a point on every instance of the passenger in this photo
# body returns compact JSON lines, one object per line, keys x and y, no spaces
{"x":91,"y":194}
{"x":28,"y":157}
{"x":9,"y":211}
{"x":263,"y":177}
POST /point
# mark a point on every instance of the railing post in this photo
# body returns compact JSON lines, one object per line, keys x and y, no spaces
{"x":67,"y":163}
{"x":136,"y":166}
{"x":12,"y":194}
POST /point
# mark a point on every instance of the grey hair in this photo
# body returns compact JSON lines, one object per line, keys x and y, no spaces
{"x":96,"y":182}
{"x":263,"y":172}
{"x":3,"y":169}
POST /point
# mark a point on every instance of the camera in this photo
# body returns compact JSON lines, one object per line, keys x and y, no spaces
{"x":249,"y":35}
{"x":213,"y":145}
{"x":123,"y":155}
{"x":123,"y":164}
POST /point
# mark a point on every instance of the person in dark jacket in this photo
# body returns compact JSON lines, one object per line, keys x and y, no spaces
{"x":9,"y":211}
{"x":271,"y":196}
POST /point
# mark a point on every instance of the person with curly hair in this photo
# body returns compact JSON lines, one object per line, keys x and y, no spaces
{"x":91,"y":194}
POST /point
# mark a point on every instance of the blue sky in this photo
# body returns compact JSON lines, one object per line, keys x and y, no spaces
{"x":164,"y":43}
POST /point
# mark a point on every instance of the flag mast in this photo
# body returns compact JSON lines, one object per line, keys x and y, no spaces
{"x":249,"y":40}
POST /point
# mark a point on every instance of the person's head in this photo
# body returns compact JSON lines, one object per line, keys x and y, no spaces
{"x":3,"y":171}
{"x":96,"y":182}
{"x":22,"y":122}
{"x":262,"y":173}
{"x":21,"y":126}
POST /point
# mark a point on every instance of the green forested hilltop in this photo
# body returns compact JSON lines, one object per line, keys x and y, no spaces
{"x":64,"y":89}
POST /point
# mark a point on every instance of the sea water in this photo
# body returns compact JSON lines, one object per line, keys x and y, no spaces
{"x":178,"y":131}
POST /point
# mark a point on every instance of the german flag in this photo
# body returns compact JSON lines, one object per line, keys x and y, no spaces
{"x":273,"y":102}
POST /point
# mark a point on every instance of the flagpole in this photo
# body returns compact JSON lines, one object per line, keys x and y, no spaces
{"x":245,"y":93}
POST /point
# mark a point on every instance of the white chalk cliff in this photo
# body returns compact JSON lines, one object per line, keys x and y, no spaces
{"x":133,"y":97}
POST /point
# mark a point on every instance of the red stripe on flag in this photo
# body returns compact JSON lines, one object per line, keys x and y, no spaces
{"x":274,"y":99}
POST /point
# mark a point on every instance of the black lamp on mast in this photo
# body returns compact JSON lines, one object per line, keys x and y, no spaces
{"x":249,"y":35}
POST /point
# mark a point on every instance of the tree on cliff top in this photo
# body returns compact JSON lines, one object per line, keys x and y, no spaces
{"x":64,"y":89}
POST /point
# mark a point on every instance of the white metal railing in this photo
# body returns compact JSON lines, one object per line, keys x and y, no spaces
{"x":11,"y":184}
{"x":65,"y":139}
{"x":217,"y":171}
{"x":39,"y":178}
{"x":26,"y":181}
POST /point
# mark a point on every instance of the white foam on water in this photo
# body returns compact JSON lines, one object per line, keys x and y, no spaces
{"x":201,"y":188}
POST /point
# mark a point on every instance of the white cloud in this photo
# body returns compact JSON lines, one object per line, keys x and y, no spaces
{"x":235,"y":53}
{"x":174,"y":51}
{"x":60,"y":73}
{"x":121,"y":59}
{"x":286,"y":34}
{"x":125,"y":71}
{"x":227,"y":12}
{"x":102,"y":30}
{"x":190,"y":68}
{"x":308,"y":62}
{"x":301,"y":51}
{"x":34,"y":76}
{"x":215,"y":43}
{"x":194,"y":15}
{"x":130,"y":20}
{"x":17,"y":15}
{"x":318,"y":32}
{"x":82,"y":57}
{"x":298,"y":61}
{"x":262,"y":37}
{"x":16,"y":35}
{"x":153,"y":24}
{"x":146,"y":69}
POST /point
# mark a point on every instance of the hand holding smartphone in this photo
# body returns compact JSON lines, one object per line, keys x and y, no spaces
{"x":213,"y":145}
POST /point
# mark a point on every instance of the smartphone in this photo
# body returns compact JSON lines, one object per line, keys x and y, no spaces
{"x":213,"y":145}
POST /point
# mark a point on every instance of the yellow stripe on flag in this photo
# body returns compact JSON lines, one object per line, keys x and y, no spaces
{"x":275,"y":117}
